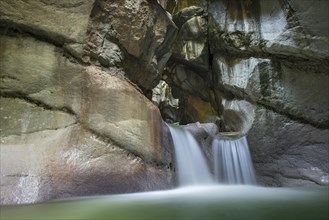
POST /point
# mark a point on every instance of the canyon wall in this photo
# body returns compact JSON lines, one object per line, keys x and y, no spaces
{"x":77,"y":78}
{"x":258,"y":68}
{"x":74,"y":119}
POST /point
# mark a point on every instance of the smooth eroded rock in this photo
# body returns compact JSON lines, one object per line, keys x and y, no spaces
{"x":102,"y":100}
{"x":18,"y":116}
{"x":277,"y":84}
{"x":288,"y":153}
{"x":67,"y":162}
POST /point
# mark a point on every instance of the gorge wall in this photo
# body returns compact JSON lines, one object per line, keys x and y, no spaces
{"x":77,"y":78}
{"x":258,"y":68}
{"x":73,"y":120}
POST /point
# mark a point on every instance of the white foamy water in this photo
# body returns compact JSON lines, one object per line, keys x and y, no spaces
{"x":197,"y":199}
{"x":192,"y":168}
{"x":232,"y":161}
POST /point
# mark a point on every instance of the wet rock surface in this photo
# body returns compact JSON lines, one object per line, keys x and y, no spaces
{"x":69,"y":162}
{"x":286,"y":152}
{"x":76,"y":80}
{"x":273,"y":57}
{"x":72,"y":121}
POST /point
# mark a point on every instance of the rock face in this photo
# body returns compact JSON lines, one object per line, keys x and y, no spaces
{"x":142,"y":30}
{"x":286,"y":152}
{"x":71,"y":161}
{"x":76,"y":80}
{"x":60,"y":21}
{"x":261,"y":67}
{"x":72,"y":123}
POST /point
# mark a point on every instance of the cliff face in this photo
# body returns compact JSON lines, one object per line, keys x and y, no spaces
{"x":72,"y":123}
{"x":261,"y":68}
{"x":76,"y":81}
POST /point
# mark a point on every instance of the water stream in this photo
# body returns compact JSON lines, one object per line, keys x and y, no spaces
{"x":232,"y":161}
{"x":192,"y":168}
{"x":198,"y":197}
{"x":212,"y":202}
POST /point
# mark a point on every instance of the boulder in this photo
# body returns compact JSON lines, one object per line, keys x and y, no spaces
{"x":192,"y":82}
{"x":19,"y":116}
{"x":101,"y":100}
{"x":191,"y":46}
{"x":288,"y":153}
{"x":143,"y":32}
{"x":115,"y":109}
{"x":67,"y":162}
{"x":237,"y":116}
{"x":72,"y":130}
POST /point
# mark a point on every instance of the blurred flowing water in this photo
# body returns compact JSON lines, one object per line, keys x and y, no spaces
{"x":197,"y":198}
{"x":191,"y":164}
{"x":194,"y":202}
{"x":232,"y":161}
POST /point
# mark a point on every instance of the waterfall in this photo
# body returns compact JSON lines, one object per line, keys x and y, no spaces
{"x":232,"y":161}
{"x":192,"y":168}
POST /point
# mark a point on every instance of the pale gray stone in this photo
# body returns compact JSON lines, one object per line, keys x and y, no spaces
{"x":288,"y":153}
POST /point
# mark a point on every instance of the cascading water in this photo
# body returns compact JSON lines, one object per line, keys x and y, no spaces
{"x":191,"y":164}
{"x":232,"y":161}
{"x":197,"y":202}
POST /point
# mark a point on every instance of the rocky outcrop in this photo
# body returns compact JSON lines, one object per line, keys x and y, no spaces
{"x":268,"y":27}
{"x":261,"y":54}
{"x":76,"y":80}
{"x":91,"y":94}
{"x":142,"y":33}
{"x":286,"y":152}
{"x":72,"y":121}
{"x":71,"y":161}
{"x":239,"y":57}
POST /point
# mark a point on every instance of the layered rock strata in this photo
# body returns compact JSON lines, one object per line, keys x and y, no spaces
{"x":258,"y":68}
{"x":73,"y":120}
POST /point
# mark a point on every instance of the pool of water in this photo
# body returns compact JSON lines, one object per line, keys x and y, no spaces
{"x":210,"y":202}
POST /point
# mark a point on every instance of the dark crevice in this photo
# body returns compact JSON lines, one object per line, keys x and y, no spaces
{"x":66,"y":4}
{"x":236,"y":93}
{"x":42,"y":130}
{"x":303,"y":178}
{"x":6,"y":28}
{"x":105,"y":139}
{"x":9,"y":77}
{"x":244,"y":96}
{"x":15,"y":31}
{"x":294,"y":117}
{"x":22,"y":96}
{"x":323,"y":62}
